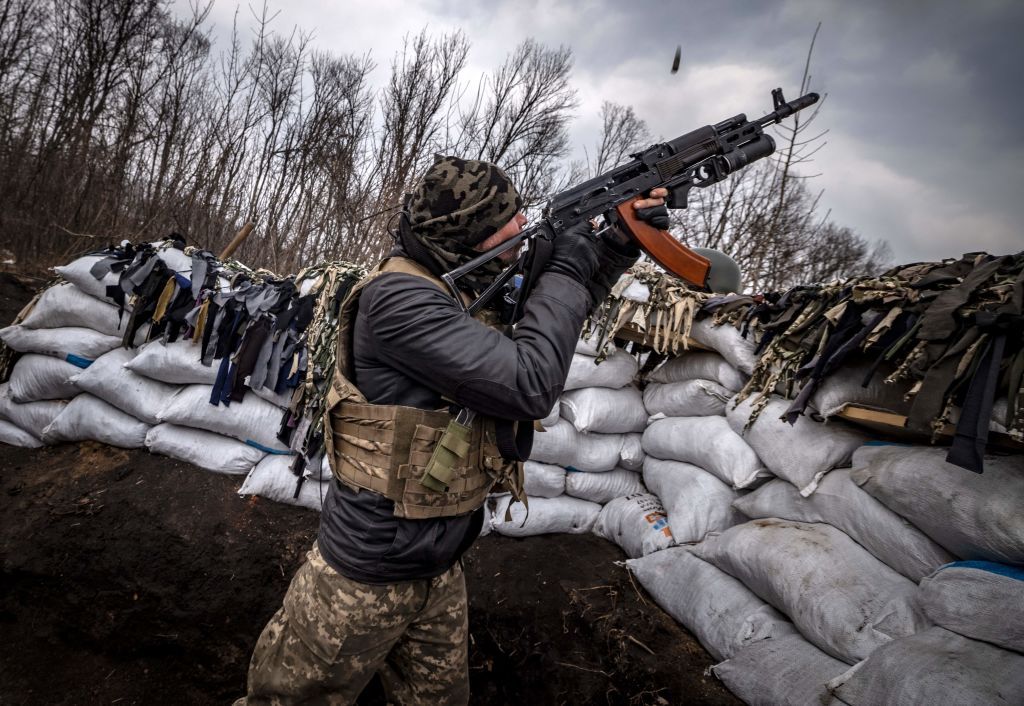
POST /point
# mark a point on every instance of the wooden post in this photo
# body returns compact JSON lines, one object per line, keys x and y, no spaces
{"x":239,"y":238}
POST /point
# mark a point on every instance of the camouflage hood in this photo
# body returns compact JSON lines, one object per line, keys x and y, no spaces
{"x":455,"y":206}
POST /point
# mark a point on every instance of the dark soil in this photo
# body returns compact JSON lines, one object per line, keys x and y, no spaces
{"x":136,"y":579}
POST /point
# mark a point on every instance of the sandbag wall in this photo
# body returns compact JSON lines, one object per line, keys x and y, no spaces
{"x":813,"y":561}
{"x":79,"y":377}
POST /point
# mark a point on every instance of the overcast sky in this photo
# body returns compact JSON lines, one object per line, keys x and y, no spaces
{"x":924,"y":100}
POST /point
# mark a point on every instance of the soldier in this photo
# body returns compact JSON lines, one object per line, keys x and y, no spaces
{"x":382,"y":589}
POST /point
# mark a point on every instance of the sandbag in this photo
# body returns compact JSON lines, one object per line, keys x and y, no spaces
{"x":77,"y":272}
{"x":973,"y":515}
{"x":800,"y":453}
{"x":562,"y":445}
{"x":689,"y":398}
{"x":70,"y":343}
{"x":543,"y":480}
{"x":12,"y":434}
{"x":840,"y":597}
{"x":844,"y":387}
{"x":617,"y":370}
{"x":637,"y":523}
{"x":252,"y":420}
{"x":175,"y":363}
{"x":723,"y":613}
{"x":220,"y":454}
{"x":42,"y":377}
{"x":727,"y":341}
{"x":784,"y":671}
{"x":982,"y":600}
{"x":699,"y":365}
{"x":272,"y":478}
{"x":632,"y":455}
{"x":935,"y":666}
{"x":697,"y":502}
{"x":708,"y":443}
{"x":108,"y":379}
{"x":66,"y":305}
{"x":603,"y":487}
{"x":839,"y":502}
{"x":88,"y":418}
{"x":605,"y":410}
{"x":32,"y":417}
{"x":563,"y":514}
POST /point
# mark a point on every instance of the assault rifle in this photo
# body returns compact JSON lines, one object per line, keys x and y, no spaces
{"x":695,"y":160}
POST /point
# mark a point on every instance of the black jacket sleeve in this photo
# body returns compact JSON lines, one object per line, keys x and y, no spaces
{"x":420,"y":331}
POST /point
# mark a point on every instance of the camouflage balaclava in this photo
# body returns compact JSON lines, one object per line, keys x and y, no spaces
{"x":458,"y":204}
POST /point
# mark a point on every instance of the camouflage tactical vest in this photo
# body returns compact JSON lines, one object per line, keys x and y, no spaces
{"x":386,"y":448}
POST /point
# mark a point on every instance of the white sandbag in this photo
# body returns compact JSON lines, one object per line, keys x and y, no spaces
{"x":12,"y":434}
{"x":708,"y":443}
{"x":562,"y":445}
{"x":727,"y":341}
{"x":32,"y":417}
{"x":689,"y":398}
{"x":723,"y":613}
{"x":632,"y":455}
{"x":66,"y":305}
{"x":546,"y":516}
{"x":844,"y":387}
{"x":982,"y":600}
{"x":42,"y":377}
{"x":176,"y":363}
{"x":697,"y":502}
{"x":588,"y":346}
{"x":553,"y":416}
{"x":60,"y":342}
{"x":935,"y":666}
{"x":801,"y":453}
{"x":839,"y":502}
{"x":174,"y":258}
{"x":77,"y":273}
{"x":840,"y":597}
{"x":108,"y":379}
{"x":603,"y":487}
{"x":617,"y":370}
{"x":699,"y":365}
{"x":318,"y":469}
{"x":973,"y":515}
{"x":637,"y":523}
{"x":605,"y":410}
{"x":220,"y":454}
{"x":785,"y":671}
{"x":252,"y":420}
{"x":543,"y":480}
{"x":90,"y":418}
{"x":272,"y":478}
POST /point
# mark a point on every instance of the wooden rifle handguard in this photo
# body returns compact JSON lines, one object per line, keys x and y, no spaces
{"x":663,"y":248}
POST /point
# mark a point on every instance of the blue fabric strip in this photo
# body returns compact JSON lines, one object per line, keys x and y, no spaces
{"x":261,"y":447}
{"x":78,"y":360}
{"x":1013,"y":572}
{"x":183,"y":281}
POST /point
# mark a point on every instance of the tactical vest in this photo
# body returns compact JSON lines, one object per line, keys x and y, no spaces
{"x":387,"y":448}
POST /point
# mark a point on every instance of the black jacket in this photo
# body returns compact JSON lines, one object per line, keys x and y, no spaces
{"x":412,"y":344}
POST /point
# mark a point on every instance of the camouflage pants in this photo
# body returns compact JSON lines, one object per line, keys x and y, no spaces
{"x":333,"y":634}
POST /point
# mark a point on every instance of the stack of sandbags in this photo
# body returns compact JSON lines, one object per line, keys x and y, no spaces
{"x":274,"y":479}
{"x":694,"y":462}
{"x":589,"y":452}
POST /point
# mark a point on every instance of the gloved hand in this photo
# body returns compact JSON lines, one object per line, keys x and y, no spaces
{"x":614,"y":259}
{"x":576,"y":254}
{"x":657,"y":216}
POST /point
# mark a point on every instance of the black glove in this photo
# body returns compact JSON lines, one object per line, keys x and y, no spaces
{"x":614,"y":259}
{"x":656,"y":216}
{"x":576,"y":254}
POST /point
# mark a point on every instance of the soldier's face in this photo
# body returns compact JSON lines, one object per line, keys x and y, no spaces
{"x":509,"y":230}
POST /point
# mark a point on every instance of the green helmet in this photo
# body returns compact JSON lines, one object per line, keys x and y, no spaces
{"x":724,"y":275}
